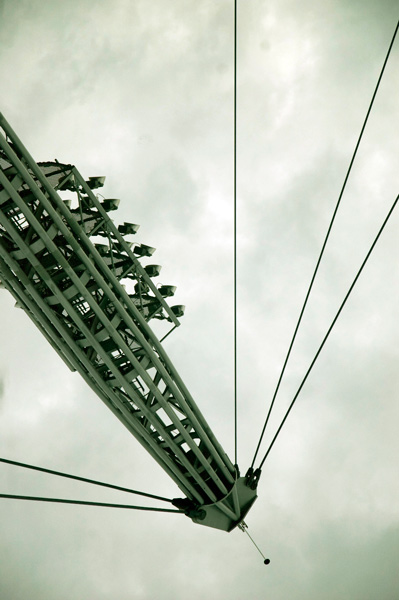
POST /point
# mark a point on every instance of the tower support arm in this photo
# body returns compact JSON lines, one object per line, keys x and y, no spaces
{"x":73,"y":294}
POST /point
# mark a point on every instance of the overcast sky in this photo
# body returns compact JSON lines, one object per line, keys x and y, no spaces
{"x":142,"y":92}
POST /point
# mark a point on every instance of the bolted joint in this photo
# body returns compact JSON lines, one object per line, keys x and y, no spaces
{"x":190,"y":508}
{"x":252,"y":478}
{"x":198,"y":514}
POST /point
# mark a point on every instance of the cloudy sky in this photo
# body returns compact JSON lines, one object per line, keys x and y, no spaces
{"x":142,"y":92}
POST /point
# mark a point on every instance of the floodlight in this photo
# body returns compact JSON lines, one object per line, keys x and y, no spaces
{"x":178,"y":309}
{"x":128,"y":228}
{"x":167,"y":290}
{"x":95,"y":182}
{"x":143,"y":250}
{"x":141,"y":288}
{"x":110,"y":204}
{"x":153,"y":270}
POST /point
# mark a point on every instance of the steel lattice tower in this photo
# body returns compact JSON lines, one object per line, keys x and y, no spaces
{"x":70,"y":287}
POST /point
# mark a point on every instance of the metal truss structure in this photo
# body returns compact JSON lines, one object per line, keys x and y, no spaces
{"x":72,"y":289}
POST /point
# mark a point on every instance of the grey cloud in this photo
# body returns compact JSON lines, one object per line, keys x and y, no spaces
{"x":145,"y":97}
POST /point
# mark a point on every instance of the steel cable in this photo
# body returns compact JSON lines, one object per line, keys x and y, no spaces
{"x":88,"y":503}
{"x":330,"y":329}
{"x":84,"y":479}
{"x":235,"y":232}
{"x":324,"y":246}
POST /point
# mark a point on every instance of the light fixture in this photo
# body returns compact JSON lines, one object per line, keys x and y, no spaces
{"x":128,"y":228}
{"x":143,"y":250}
{"x":110,"y":204}
{"x":167,"y":290}
{"x":178,"y":310}
{"x":95,"y":182}
{"x":153,"y":270}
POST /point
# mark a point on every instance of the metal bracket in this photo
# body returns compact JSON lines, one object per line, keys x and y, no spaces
{"x":228,"y":512}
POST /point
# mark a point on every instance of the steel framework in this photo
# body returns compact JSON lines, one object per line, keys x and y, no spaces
{"x":70,"y":287}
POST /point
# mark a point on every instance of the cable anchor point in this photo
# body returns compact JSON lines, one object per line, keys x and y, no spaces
{"x":252,"y":478}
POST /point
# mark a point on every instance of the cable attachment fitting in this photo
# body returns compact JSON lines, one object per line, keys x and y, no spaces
{"x":252,"y":478}
{"x":190,"y":508}
{"x":243,"y":526}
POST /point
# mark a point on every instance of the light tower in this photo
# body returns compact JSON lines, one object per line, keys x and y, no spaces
{"x":71,"y":288}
